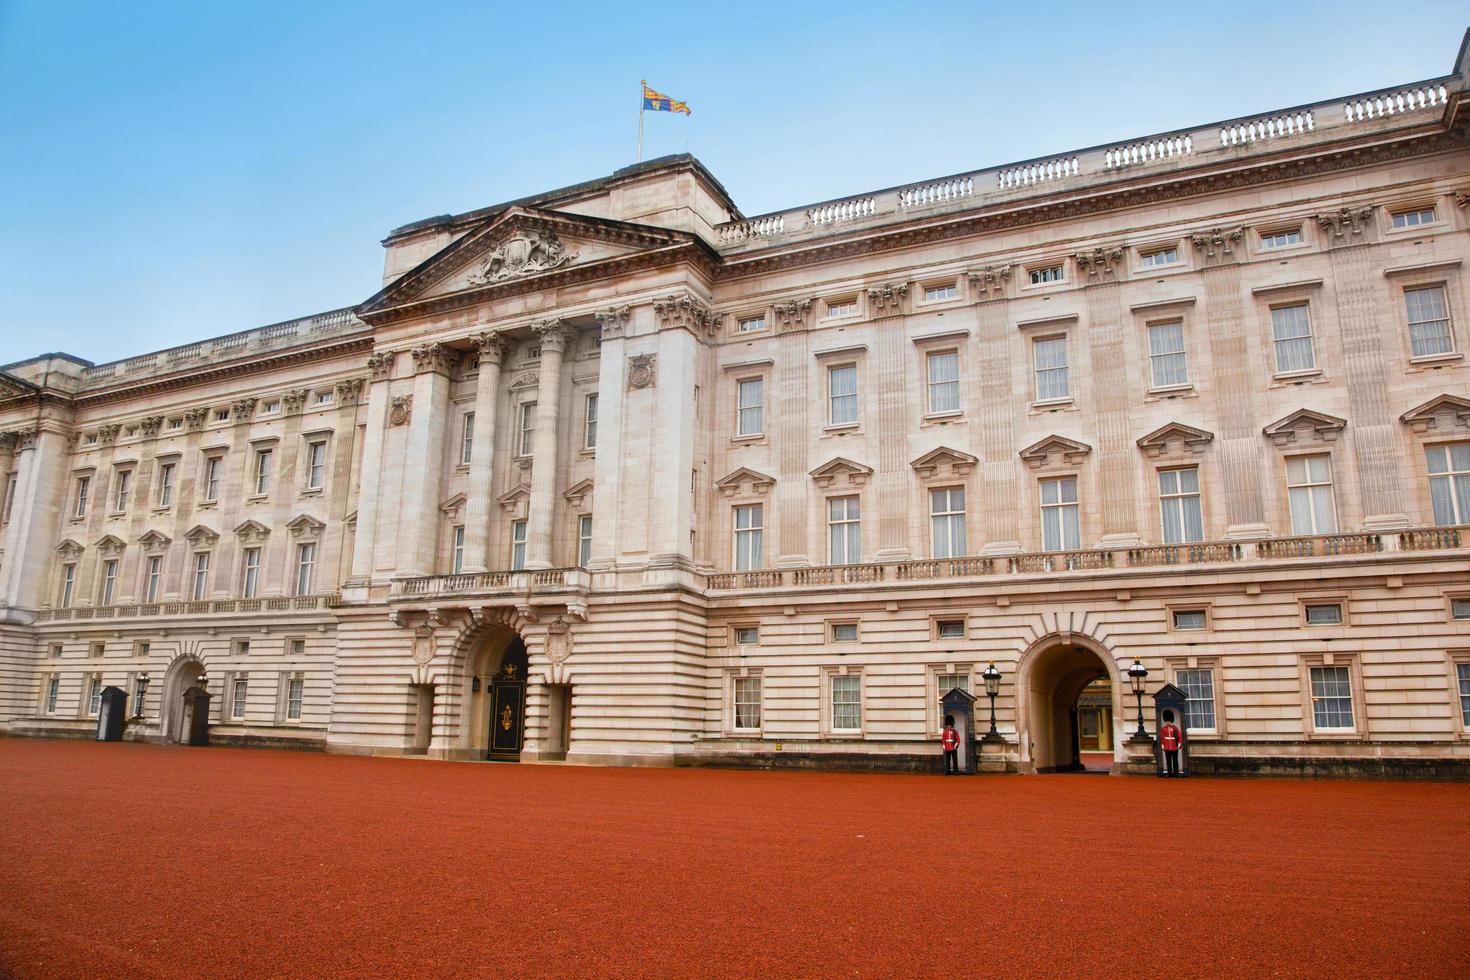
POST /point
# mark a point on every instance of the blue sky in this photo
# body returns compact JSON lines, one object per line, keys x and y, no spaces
{"x":175,"y":171}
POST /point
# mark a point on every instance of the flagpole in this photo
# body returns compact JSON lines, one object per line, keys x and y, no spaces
{"x":640,"y":120}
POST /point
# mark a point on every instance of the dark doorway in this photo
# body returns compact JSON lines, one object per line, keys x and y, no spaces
{"x":508,"y":704}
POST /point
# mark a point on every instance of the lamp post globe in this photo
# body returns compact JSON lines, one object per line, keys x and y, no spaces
{"x":1138,"y":677}
{"x":991,"y":676}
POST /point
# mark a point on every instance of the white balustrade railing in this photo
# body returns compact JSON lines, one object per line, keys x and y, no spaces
{"x":936,"y":192}
{"x":825,"y":214}
{"x":1391,"y":103}
{"x":1041,"y":172}
{"x":1148,"y":151}
{"x":1267,"y":127}
{"x":739,"y":231}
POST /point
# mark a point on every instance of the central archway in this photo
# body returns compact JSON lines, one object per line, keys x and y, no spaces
{"x":495,"y":711}
{"x":1068,"y":689}
{"x":182,"y":674}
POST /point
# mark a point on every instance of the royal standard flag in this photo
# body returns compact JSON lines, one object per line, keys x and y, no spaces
{"x":658,"y":102}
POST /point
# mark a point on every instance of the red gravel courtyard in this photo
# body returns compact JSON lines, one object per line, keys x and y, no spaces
{"x":145,"y":860}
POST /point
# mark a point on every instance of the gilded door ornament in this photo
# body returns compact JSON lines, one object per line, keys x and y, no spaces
{"x":510,"y":670}
{"x":505,"y":718}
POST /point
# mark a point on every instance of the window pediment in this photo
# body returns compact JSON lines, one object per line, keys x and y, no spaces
{"x":451,"y":507}
{"x":746,"y":480}
{"x":199,"y":534}
{"x":1176,"y":437}
{"x":513,"y":498}
{"x":69,"y":549}
{"x":305,"y":526}
{"x":1053,"y":450}
{"x":525,"y":380}
{"x":841,"y":470}
{"x":577,"y":491}
{"x":943,"y":460}
{"x":154,"y":542}
{"x":1445,"y":412}
{"x":110,"y":544}
{"x":252,"y":531}
{"x":1305,"y":426}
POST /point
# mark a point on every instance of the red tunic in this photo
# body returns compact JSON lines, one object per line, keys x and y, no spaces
{"x":951,"y":739}
{"x":1169,"y":737}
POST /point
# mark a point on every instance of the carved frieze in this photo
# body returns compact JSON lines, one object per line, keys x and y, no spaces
{"x":990,"y":282}
{"x":1217,"y":241}
{"x":887,"y":299}
{"x":1346,"y":223}
{"x":1100,"y":261}
{"x":400,"y":410}
{"x":381,"y":364}
{"x":684,"y":311}
{"x":613,"y":321}
{"x":524,"y":252}
{"x":433,"y":358}
{"x":642,"y":371}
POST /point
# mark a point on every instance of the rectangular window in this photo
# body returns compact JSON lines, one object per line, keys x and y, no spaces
{"x":747,"y":636}
{"x":1324,"y":614}
{"x":748,"y":703}
{"x":212,"y":467}
{"x":250,"y":574}
{"x":844,"y":632}
{"x":1413,"y":217}
{"x":270,"y":407}
{"x":84,"y":487}
{"x":1051,"y":273}
{"x":950,"y":629}
{"x":1291,"y":329}
{"x":324,"y":397}
{"x":124,"y":489}
{"x":457,"y":551}
{"x":1199,"y":686}
{"x":1061,"y":528}
{"x":467,"y":438}
{"x":527,"y":443}
{"x":109,"y":581}
{"x":153,"y":578}
{"x":222,"y":414}
{"x":1309,"y":488}
{"x":1166,"y":358}
{"x":316,"y":465}
{"x":944,"y":382}
{"x":589,"y":422}
{"x":945,"y":683}
{"x":842,"y":407}
{"x":1164,"y":256}
{"x":68,"y":584}
{"x":305,"y":566}
{"x":1052,"y":380}
{"x":517,"y":546}
{"x":847,"y":703}
{"x":53,"y":689}
{"x":294,"y":688}
{"x":1429,"y":321}
{"x":749,"y":419}
{"x":1460,"y":608}
{"x":933,"y":293}
{"x":751,"y":323}
{"x":1462,"y":674}
{"x":1281,"y":239}
{"x":947,"y":522}
{"x":237,"y":697}
{"x":842,"y":307}
{"x":262,"y":471}
{"x":749,"y":523}
{"x":584,"y":540}
{"x":1332,"y":697}
{"x":94,"y":694}
{"x":1449,"y":482}
{"x":201,"y":576}
{"x":166,"y":484}
{"x":844,"y":530}
{"x":1179,"y":506}
{"x":1189,"y":619}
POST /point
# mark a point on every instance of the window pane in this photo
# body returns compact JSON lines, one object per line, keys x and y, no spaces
{"x":1199,"y":686}
{"x":1293,"y":335}
{"x":846,"y":703}
{"x":843,"y":385}
{"x":1332,"y":699}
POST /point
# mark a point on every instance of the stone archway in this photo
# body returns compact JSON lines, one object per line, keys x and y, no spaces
{"x":1052,"y":676}
{"x":182,"y":674}
{"x":465,"y":696}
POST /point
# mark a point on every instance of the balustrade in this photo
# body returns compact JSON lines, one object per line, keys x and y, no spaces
{"x":1390,"y":103}
{"x":1267,"y":127}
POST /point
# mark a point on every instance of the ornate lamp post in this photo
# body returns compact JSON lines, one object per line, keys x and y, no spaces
{"x":141,"y":693}
{"x":992,"y":688}
{"x":1138,"y":677}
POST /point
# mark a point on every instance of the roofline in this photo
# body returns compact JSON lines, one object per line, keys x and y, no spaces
{"x":62,"y":355}
{"x":545,"y":198}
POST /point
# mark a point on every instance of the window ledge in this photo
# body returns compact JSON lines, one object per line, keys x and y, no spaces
{"x":943,"y":416}
{"x":312,"y":491}
{"x":164,"y":509}
{"x":206,"y":504}
{"x":1172,"y":389}
{"x":1289,"y":376}
{"x":843,"y":428}
{"x":254,"y":497}
{"x":1054,"y":403}
{"x":462,"y":467}
{"x":1437,"y":358}
{"x":753,"y":437}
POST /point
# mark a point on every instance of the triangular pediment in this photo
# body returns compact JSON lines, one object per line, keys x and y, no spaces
{"x":514,"y":499}
{"x":154,"y":540}
{"x":453,"y":504}
{"x":110,"y":544}
{"x":839,"y":469}
{"x":577,"y":491}
{"x":305,"y":526}
{"x":1445,"y":412}
{"x":744,"y":479}
{"x":13,"y":387}
{"x":1174,"y":437}
{"x":199,"y":533}
{"x":936,"y":460}
{"x":69,"y":548}
{"x":521,"y":244}
{"x":1305,"y":425}
{"x":252,"y":531}
{"x":1055,"y":449}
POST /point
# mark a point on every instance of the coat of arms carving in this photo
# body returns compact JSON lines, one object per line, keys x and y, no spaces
{"x":526,"y":251}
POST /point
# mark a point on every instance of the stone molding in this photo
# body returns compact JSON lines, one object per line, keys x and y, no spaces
{"x":990,"y":279}
{"x":552,"y":334}
{"x":840,"y":467}
{"x":1346,"y":224}
{"x":889,"y":299}
{"x":1055,"y":449}
{"x":744,"y":479}
{"x":293,"y":401}
{"x":931,"y":463}
{"x":434,"y":359}
{"x":195,"y":418}
{"x":242,"y":410}
{"x":1101,"y":261}
{"x":1217,"y":241}
{"x":492,"y":345}
{"x":1178,"y":436}
{"x":685,"y":311}
{"x":380,"y":364}
{"x":794,"y":314}
{"x":1443,"y":412}
{"x":1305,"y":425}
{"x":151,"y":425}
{"x":613,"y":321}
{"x":349,"y":392}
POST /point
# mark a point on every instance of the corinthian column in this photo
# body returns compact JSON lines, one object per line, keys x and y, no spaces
{"x":553,"y":336}
{"x":424,"y":459}
{"x":482,"y":453}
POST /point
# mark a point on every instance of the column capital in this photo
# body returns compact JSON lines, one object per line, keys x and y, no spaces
{"x":1346,"y":224}
{"x":684,"y":310}
{"x":151,"y":425}
{"x":349,"y":392}
{"x":991,"y":279}
{"x":293,"y":401}
{"x":107,"y":432}
{"x":433,"y":357}
{"x":241,"y":409}
{"x":492,"y":346}
{"x":24,"y":438}
{"x":381,"y":364}
{"x":194,"y":418}
{"x":613,"y":321}
{"x":552,"y":334}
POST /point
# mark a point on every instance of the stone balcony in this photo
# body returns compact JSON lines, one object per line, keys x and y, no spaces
{"x":523,"y":584}
{"x":273,"y":605}
{"x":1055,"y":564}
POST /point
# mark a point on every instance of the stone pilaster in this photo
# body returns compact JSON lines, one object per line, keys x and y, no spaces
{"x":611,"y":381}
{"x":347,"y":396}
{"x":1117,"y":476}
{"x":788,"y":396}
{"x":989,"y":287}
{"x":481,"y":496}
{"x":370,"y":473}
{"x":553,"y":335}
{"x":41,"y":456}
{"x":891,"y":360}
{"x":423,"y":462}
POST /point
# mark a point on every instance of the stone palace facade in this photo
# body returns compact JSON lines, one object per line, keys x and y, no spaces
{"x":616,"y":473}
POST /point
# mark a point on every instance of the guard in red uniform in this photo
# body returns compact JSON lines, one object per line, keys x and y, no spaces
{"x":950,"y":739}
{"x":1170,"y":739}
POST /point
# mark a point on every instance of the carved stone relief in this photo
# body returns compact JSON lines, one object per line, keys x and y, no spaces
{"x":400,"y":410}
{"x":524,"y":252}
{"x":643,"y":371}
